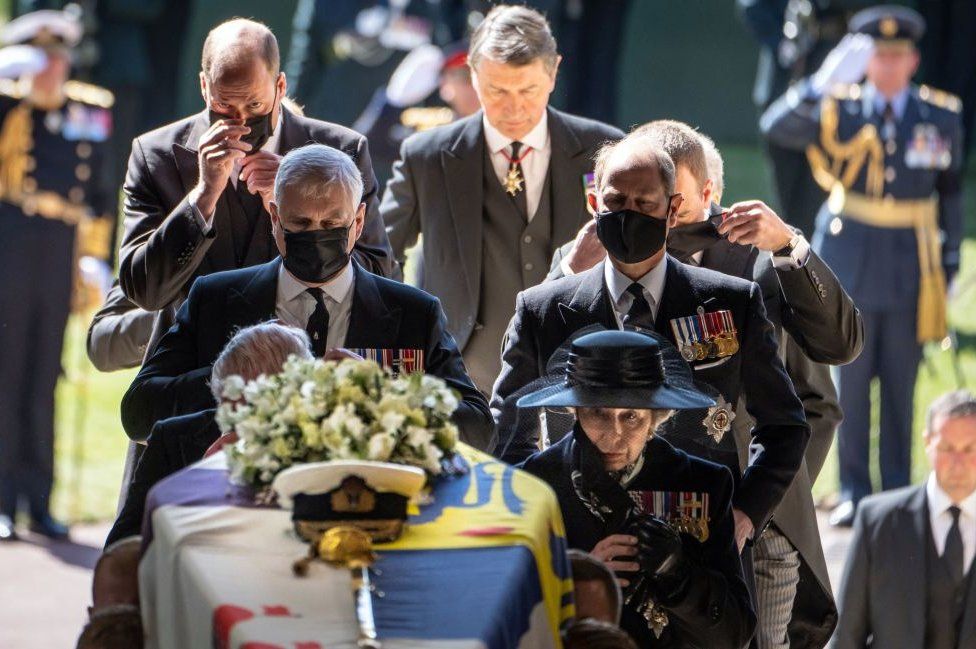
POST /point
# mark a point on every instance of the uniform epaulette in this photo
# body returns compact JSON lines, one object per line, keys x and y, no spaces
{"x":846,"y":91}
{"x":87,"y":93}
{"x":12,"y":88}
{"x":422,"y":118}
{"x":940,"y":98}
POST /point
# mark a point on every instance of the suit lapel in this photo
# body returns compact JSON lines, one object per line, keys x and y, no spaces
{"x":568,"y":200}
{"x":914,"y":544}
{"x":590,"y":303}
{"x":371,"y":323}
{"x":221,"y":252}
{"x":463,"y":167}
{"x":256,"y":301}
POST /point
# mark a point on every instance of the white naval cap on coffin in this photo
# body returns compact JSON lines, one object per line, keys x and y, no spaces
{"x":322,"y":477}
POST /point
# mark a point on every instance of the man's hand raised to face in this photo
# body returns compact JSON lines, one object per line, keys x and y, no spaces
{"x":753,"y":223}
{"x":587,"y":250}
{"x":219,"y":148}
{"x":258,"y":171}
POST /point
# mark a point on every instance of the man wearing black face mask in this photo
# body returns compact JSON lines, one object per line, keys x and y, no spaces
{"x":640,"y":285}
{"x":316,"y":216}
{"x":197,"y":191}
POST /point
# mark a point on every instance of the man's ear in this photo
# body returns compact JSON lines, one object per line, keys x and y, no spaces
{"x":360,"y":220}
{"x":203,"y":89}
{"x":675,"y":202}
{"x":707,"y":190}
{"x":275,"y":217}
{"x":591,"y":202}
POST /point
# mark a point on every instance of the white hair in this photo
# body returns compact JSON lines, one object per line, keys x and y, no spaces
{"x":259,"y":349}
{"x":311,"y":171}
{"x":714,"y":165}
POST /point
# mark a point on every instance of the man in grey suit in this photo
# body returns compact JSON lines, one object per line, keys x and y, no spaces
{"x":494,"y":194}
{"x":909,"y":581}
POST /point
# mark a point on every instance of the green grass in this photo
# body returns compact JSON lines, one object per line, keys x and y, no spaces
{"x":91,"y":448}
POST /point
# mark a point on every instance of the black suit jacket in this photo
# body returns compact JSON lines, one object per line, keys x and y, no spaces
{"x":437,"y":189}
{"x":385,"y":315}
{"x":172,"y":445}
{"x":716,"y":611}
{"x":547,"y":314}
{"x":163,"y":249}
{"x":882,"y":593}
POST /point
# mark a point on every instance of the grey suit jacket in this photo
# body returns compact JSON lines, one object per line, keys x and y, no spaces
{"x":882,"y":594}
{"x":119,"y":333}
{"x":437,"y":190}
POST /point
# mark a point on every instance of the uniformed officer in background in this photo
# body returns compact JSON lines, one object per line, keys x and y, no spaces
{"x":53,"y":211}
{"x":888,"y":152}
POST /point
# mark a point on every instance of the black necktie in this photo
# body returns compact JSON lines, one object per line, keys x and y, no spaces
{"x":639,"y":314}
{"x":318,"y":323}
{"x":888,"y":115}
{"x":952,"y":556}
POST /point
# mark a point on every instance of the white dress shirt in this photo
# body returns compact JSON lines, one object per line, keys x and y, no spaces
{"x":535,"y":165}
{"x":617,"y":283}
{"x":294,"y":306}
{"x":940,"y":520}
{"x":271,"y":146}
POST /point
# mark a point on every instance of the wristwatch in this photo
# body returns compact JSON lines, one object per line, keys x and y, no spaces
{"x":794,"y":253}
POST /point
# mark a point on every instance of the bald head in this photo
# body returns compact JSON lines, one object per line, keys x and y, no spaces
{"x":232,"y":48}
{"x":636,"y":153}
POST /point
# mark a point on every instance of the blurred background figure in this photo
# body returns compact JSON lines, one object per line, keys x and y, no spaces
{"x":54,"y":211}
{"x":918,"y":541}
{"x":794,"y":36}
{"x":596,"y":593}
{"x":890,"y":153}
{"x":431,"y":87}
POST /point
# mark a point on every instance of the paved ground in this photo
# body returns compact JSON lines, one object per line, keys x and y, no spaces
{"x":45,"y":587}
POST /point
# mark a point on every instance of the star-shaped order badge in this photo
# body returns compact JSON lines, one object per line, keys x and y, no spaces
{"x":719,"y":419}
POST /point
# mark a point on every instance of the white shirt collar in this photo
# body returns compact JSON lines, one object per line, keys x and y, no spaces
{"x":653,"y":281}
{"x":537,"y":138}
{"x":939,"y":501}
{"x":337,"y":289}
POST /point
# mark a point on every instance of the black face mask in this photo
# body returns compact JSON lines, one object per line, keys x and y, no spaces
{"x":686,"y":240}
{"x":315,"y":256}
{"x":629,"y":236}
{"x":261,"y":128}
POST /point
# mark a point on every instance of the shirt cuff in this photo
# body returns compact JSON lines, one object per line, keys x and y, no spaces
{"x":796,"y":259}
{"x":205,"y":225}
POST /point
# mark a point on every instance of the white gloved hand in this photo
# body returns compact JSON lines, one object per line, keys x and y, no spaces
{"x":846,"y":63}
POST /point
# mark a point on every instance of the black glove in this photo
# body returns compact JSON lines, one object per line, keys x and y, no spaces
{"x":662,"y":558}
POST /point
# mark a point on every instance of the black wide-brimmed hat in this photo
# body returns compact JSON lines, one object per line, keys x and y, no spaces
{"x":622,"y":369}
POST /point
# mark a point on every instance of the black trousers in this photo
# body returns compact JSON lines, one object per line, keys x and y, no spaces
{"x":36,"y":257}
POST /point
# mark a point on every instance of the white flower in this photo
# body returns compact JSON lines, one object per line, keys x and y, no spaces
{"x":380,"y":447}
{"x":233,"y":388}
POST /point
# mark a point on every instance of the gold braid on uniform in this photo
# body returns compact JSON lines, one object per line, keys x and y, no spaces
{"x":15,"y":146}
{"x":828,"y":163}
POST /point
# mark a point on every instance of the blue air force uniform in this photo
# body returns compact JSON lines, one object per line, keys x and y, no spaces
{"x":53,"y":208}
{"x":891,"y":231}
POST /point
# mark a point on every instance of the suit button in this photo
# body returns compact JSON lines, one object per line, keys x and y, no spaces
{"x":823,"y":292}
{"x":529,"y":266}
{"x":527,"y":238}
{"x":891,"y":147}
{"x":890,"y":174}
{"x":714,"y":612}
{"x":836,"y":225}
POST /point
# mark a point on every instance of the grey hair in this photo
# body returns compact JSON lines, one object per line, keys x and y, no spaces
{"x":715,"y":166}
{"x":647,"y":148}
{"x":960,"y":403}
{"x":259,"y":349}
{"x":514,"y":35}
{"x":313,"y":170}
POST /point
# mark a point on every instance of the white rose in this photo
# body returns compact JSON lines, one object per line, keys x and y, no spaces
{"x":380,"y":447}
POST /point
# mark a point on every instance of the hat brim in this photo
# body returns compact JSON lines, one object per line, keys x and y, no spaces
{"x":664,"y":397}
{"x":321,"y":477}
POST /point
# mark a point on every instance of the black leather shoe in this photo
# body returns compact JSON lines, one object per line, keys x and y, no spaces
{"x":843,"y":514}
{"x":7,"y":531}
{"x":50,"y":528}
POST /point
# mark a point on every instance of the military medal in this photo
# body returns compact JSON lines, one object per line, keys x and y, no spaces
{"x":685,"y":511}
{"x":706,"y":336}
{"x":398,"y":361}
{"x":514,"y":181}
{"x":718,"y":421}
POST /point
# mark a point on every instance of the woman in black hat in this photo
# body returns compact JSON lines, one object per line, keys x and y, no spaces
{"x":660,"y":519}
